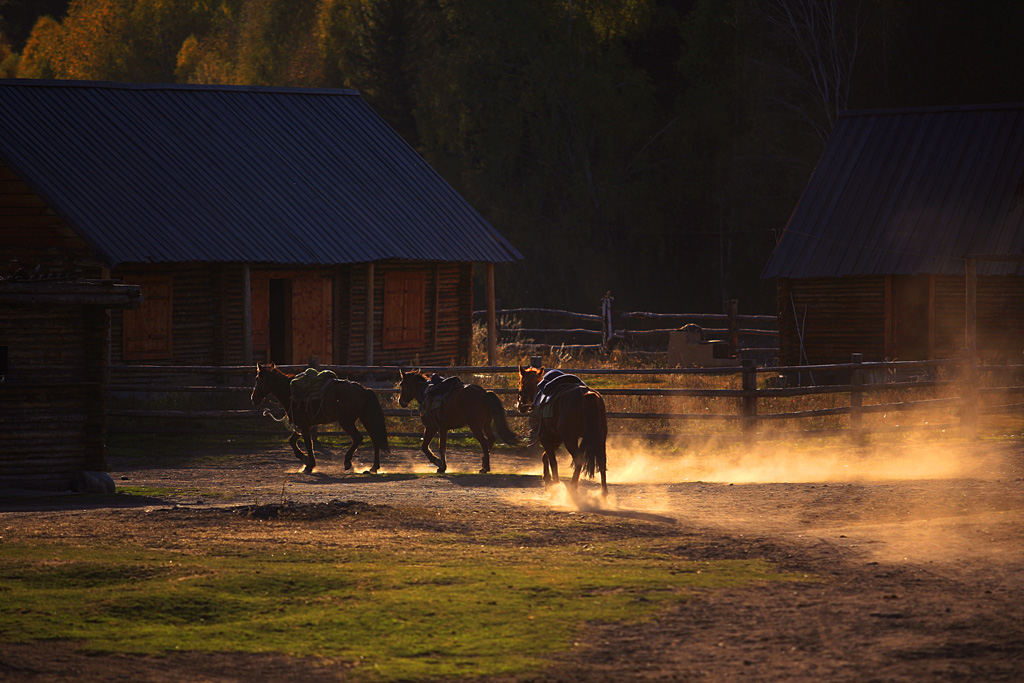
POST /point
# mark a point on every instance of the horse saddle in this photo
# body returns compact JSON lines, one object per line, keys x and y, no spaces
{"x":437,"y":391}
{"x":551,"y":387}
{"x":310,"y":384}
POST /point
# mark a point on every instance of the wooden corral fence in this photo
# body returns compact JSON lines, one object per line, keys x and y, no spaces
{"x":540,"y":330}
{"x":747,"y":402}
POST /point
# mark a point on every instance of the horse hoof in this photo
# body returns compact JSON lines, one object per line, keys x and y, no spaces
{"x":307,"y":470}
{"x":483,"y":471}
{"x":348,"y":465}
{"x":371,"y":471}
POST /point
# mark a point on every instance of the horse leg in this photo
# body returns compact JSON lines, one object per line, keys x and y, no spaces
{"x":486,"y":438}
{"x":442,"y":442}
{"x":428,"y":436}
{"x":311,"y":463}
{"x":293,"y":441}
{"x":577,"y":460}
{"x":350,"y":428}
{"x":550,"y":445}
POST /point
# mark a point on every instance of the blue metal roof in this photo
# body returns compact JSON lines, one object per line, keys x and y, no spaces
{"x":911,"y":191}
{"x":193,"y":173}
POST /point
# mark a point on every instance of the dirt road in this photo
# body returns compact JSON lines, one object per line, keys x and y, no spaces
{"x":921,"y":551}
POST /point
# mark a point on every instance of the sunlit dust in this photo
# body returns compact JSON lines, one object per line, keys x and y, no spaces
{"x":768,"y":463}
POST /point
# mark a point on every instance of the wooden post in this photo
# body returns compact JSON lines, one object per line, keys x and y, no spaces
{"x":857,"y":401}
{"x":492,"y":319}
{"x":969,"y":416}
{"x":732,"y":311}
{"x":749,"y":401}
{"x":368,"y":332}
{"x":247,"y":314}
{"x":969,"y":398}
{"x":971,"y":318}
{"x":607,"y":324}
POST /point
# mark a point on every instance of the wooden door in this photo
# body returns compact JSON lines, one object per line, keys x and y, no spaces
{"x":260,"y":287}
{"x":148,"y":330}
{"x":312,"y":325}
{"x":910,"y":317}
{"x":404,"y":307}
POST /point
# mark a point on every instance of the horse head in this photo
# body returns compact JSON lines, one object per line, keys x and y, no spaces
{"x":412,"y":385}
{"x":262,"y":387}
{"x":529,"y":378}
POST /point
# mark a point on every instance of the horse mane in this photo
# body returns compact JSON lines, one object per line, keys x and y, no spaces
{"x":536,"y":372}
{"x":423,"y":375}
{"x":272,"y":368}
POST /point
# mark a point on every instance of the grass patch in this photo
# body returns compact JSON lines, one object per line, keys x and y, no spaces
{"x":443,"y":607}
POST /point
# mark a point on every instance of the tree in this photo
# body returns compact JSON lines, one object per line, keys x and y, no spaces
{"x":820,"y":42}
{"x":41,"y":58}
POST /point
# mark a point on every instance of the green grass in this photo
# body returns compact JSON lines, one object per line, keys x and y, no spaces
{"x":434,"y":609}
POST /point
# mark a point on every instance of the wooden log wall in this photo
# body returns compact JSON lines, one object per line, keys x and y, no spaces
{"x":53,"y":400}
{"x":950,"y":307}
{"x":1001,"y":318}
{"x":448,"y":315}
{"x":836,"y":318}
{"x":31,"y":232}
{"x":198,"y":327}
{"x":848,"y":315}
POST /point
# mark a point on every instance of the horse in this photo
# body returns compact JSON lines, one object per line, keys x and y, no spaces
{"x":574,"y":416}
{"x":464,"y":405}
{"x":342,"y":401}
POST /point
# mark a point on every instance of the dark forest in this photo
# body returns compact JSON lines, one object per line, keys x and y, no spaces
{"x":651,"y":148}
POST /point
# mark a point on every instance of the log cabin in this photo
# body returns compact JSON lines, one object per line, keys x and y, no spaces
{"x":282,"y":224}
{"x":907,"y":240}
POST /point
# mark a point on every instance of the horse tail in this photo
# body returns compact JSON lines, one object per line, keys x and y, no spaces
{"x":595,"y":433}
{"x":501,"y":427}
{"x":373,"y":420}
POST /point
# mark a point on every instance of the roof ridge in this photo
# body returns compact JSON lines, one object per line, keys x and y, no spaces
{"x":115,"y":85}
{"x":935,"y":109}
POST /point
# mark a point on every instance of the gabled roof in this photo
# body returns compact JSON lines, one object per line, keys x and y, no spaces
{"x":192,"y":173}
{"x":911,"y":191}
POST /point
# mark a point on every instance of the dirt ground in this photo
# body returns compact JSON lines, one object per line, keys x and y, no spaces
{"x":921,"y":552}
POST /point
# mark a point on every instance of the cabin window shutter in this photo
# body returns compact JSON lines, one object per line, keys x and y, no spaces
{"x":147,"y":330}
{"x":404,"y":309}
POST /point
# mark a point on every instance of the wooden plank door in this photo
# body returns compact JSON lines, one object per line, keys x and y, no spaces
{"x":260,"y":287}
{"x":312,"y":324}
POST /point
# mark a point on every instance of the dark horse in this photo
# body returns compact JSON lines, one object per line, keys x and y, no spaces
{"x":343,"y":402}
{"x":574,"y":416}
{"x":465,"y":404}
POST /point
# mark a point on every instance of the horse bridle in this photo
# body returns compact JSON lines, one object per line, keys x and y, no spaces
{"x":423,"y":391}
{"x":525,"y":406}
{"x":261,"y":389}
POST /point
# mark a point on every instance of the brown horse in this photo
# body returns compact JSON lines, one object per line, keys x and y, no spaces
{"x":573,"y":415}
{"x":343,"y":402}
{"x":465,"y":404}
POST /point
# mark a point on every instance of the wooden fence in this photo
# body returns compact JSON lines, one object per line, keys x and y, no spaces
{"x":533,"y":330}
{"x":748,"y":402}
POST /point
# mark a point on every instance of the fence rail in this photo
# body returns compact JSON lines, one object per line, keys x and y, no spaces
{"x":643,"y":333}
{"x":666,"y":403}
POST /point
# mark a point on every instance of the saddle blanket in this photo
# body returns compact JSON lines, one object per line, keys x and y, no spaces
{"x":311,"y":383}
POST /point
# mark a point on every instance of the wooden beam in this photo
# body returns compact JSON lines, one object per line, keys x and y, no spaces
{"x":369,"y":313}
{"x":931,"y":317}
{"x":971,"y":319}
{"x":889,"y":326}
{"x":436,"y":322}
{"x":247,"y":314}
{"x":492,"y":326}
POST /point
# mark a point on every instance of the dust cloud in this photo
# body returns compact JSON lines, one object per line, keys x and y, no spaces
{"x":898,"y":488}
{"x":767,"y":463}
